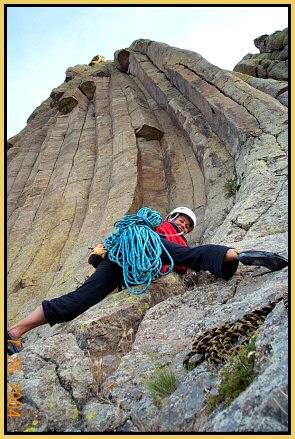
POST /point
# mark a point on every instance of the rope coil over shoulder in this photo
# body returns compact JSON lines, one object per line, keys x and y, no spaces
{"x":137,"y":248}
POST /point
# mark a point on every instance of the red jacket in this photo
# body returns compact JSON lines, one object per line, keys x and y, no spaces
{"x":167,"y":230}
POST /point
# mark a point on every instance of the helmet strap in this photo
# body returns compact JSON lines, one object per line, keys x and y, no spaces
{"x":171,"y":234}
{"x":174,"y":216}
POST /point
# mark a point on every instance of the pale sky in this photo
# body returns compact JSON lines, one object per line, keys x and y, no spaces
{"x":42,"y":42}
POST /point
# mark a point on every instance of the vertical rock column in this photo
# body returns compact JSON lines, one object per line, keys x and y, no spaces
{"x":91,"y":231}
{"x":184,"y":178}
{"x":59,"y":216}
{"x":28,"y":215}
{"x":22,"y":158}
{"x":174,"y":178}
{"x":76,"y":192}
{"x":152,"y":180}
{"x":122,"y":184}
{"x":95,"y":220}
{"x":212,"y":157}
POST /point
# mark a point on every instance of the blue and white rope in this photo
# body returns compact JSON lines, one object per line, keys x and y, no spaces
{"x":137,"y":248}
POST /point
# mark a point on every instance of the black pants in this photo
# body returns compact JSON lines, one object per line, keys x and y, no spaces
{"x":109,"y":275}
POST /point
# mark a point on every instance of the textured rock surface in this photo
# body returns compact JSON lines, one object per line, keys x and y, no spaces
{"x":158,"y":127}
{"x":271,"y":63}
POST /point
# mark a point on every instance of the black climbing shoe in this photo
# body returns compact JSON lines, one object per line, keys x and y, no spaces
{"x":14,"y":344}
{"x":270,"y":260}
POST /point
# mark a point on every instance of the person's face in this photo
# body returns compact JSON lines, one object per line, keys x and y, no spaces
{"x":184,"y":223}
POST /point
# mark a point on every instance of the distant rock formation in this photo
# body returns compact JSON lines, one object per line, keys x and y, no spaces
{"x":159,"y":127}
{"x":271,"y":63}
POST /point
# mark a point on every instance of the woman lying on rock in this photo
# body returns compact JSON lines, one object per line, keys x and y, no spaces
{"x":173,"y":252}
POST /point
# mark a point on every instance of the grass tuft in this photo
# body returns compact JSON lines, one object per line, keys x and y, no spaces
{"x":236,"y":376}
{"x":162,"y":384}
{"x":231,"y":187}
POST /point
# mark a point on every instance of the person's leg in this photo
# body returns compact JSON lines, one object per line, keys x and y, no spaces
{"x":36,"y":318}
{"x":220,"y":260}
{"x":64,"y":308}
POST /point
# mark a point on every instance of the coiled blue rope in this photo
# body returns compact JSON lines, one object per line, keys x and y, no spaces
{"x":137,"y":248}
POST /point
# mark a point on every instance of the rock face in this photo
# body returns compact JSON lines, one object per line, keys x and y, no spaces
{"x":158,"y":127}
{"x":271,"y":64}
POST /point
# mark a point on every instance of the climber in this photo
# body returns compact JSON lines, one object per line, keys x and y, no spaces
{"x":220,"y":260}
{"x":179,"y":222}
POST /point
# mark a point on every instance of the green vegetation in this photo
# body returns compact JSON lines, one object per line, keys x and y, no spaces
{"x":231,"y":187}
{"x":236,"y":376}
{"x":162,"y":384}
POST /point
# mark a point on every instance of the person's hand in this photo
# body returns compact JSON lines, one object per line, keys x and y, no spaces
{"x":97,"y":254}
{"x":99,"y":249}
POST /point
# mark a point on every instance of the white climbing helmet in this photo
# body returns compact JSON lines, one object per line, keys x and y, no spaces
{"x":183,"y":211}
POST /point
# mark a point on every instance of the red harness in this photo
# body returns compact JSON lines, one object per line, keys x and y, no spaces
{"x":168,"y":231}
